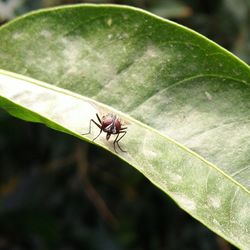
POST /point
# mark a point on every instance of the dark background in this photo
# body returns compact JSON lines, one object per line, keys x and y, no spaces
{"x":57,"y":192}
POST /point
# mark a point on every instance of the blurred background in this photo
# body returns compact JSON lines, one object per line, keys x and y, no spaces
{"x":57,"y":192}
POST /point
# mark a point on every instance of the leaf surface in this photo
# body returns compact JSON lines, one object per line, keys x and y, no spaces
{"x":186,"y":100}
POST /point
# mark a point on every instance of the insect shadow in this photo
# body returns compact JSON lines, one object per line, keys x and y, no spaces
{"x":111,"y":125}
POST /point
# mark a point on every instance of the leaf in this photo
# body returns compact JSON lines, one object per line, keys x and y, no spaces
{"x":187,"y":100}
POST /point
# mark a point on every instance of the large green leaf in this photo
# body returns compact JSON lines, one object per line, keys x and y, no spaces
{"x":189,"y":99}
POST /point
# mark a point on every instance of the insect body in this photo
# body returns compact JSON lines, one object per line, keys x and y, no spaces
{"x":111,"y":125}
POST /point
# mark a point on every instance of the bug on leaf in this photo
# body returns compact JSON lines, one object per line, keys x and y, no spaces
{"x":111,"y":125}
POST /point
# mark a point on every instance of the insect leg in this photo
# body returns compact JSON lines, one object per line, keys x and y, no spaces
{"x":99,"y":119}
{"x":123,"y":128}
{"x":98,"y":125}
{"x":97,"y":135}
{"x":117,"y":140}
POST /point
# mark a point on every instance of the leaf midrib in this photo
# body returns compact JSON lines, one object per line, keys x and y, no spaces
{"x":67,"y":92}
{"x":199,"y":76}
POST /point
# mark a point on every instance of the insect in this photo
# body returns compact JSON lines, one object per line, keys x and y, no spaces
{"x":111,"y":125}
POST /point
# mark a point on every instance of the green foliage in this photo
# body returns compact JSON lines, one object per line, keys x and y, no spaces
{"x":186,"y":100}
